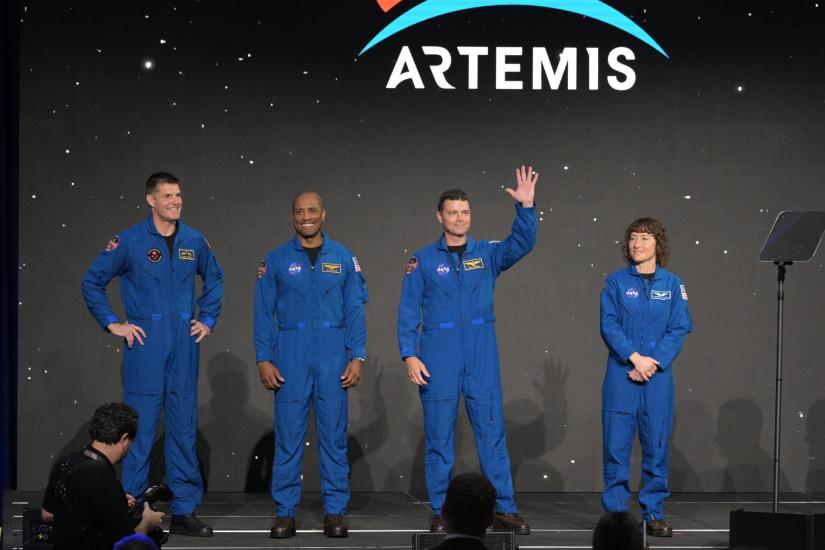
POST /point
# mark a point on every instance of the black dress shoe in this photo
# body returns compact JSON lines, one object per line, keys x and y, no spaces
{"x":438,"y":524}
{"x":511,"y":522}
{"x":334,"y":526}
{"x":190,"y":525}
{"x":283,"y":527}
{"x":659,"y":528}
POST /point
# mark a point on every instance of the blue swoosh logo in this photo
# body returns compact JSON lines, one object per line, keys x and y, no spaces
{"x":590,"y":8}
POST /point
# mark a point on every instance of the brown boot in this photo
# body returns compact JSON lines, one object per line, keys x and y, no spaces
{"x":511,"y":522}
{"x":659,"y":528}
{"x":438,"y":524}
{"x":283,"y":527}
{"x":335,"y":527}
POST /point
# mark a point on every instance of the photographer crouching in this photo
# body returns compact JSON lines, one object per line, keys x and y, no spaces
{"x":85,"y":500}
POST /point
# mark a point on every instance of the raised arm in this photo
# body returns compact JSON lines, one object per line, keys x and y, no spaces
{"x":522,"y":237}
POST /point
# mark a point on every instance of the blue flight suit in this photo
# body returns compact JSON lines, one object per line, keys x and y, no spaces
{"x":158,"y":295}
{"x":651,"y":318}
{"x":446,"y":319}
{"x":309,"y":322}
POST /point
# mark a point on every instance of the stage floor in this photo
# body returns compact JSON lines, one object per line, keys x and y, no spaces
{"x":389,"y":520}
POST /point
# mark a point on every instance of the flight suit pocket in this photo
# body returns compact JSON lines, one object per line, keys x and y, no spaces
{"x":144,"y":365}
{"x":437,"y":414}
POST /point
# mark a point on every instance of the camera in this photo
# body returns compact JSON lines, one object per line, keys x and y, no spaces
{"x":155,"y":493}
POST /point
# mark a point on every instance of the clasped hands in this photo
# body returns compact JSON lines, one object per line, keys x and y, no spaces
{"x":643,"y":367}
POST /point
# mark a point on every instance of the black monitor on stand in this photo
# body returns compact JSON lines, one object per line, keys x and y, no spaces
{"x":794,"y":238}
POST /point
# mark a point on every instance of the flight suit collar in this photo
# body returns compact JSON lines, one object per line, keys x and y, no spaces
{"x":296,"y":243}
{"x":152,"y":230}
{"x":442,"y":245}
{"x":656,"y":275}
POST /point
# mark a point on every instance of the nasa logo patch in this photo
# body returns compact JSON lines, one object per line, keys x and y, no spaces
{"x":154,"y":255}
{"x":294,"y":269}
{"x":442,"y":269}
{"x":632,"y":293}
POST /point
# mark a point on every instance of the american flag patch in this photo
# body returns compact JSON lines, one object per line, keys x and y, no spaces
{"x":684,"y":292}
{"x":356,"y":264}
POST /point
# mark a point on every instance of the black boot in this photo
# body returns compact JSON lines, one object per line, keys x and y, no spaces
{"x":511,"y":522}
{"x":190,"y":525}
{"x":283,"y":527}
{"x":335,"y":527}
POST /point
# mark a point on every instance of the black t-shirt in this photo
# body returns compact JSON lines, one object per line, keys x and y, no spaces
{"x":170,"y":241}
{"x":458,"y":249}
{"x":648,"y":276}
{"x":313,"y":253}
{"x":88,"y":503}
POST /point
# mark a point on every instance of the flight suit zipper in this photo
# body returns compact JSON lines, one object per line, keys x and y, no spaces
{"x":460,"y":311}
{"x":646,"y":297}
{"x":315,"y":301}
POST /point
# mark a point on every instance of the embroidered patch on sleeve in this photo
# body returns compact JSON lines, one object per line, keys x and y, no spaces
{"x":412,"y":265}
{"x":113,"y":243}
{"x":261,"y":269}
{"x":684,"y":292}
{"x":356,"y":264}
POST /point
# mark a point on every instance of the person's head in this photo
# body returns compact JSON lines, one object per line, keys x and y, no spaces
{"x":454,"y":213}
{"x":618,"y":531}
{"x":308,"y":214}
{"x":164,"y":197}
{"x":113,"y":427}
{"x":136,"y":542}
{"x":644,"y":239}
{"x":470,"y":504}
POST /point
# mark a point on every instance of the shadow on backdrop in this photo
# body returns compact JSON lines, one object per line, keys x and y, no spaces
{"x":372,"y":407}
{"x":749,"y":467}
{"x":815,"y":438}
{"x":533,"y":431}
{"x":64,"y":409}
{"x":228,"y":424}
{"x":406,"y":474}
{"x":692,"y":427}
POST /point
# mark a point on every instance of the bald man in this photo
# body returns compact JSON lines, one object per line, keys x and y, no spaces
{"x":310,"y":346}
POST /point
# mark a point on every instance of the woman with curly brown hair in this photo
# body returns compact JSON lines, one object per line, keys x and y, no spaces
{"x":644,"y":321}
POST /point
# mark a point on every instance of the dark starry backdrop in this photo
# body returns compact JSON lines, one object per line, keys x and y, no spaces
{"x":251,"y":102}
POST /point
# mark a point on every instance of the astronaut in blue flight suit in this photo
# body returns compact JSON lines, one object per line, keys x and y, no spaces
{"x":157,"y":261}
{"x":310,"y":345}
{"x":447,"y":339}
{"x":644,"y":321}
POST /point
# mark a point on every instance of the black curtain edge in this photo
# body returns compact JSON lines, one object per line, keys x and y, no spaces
{"x":9,"y":160}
